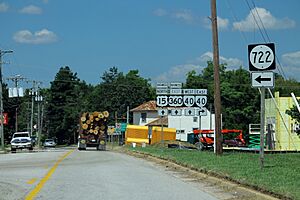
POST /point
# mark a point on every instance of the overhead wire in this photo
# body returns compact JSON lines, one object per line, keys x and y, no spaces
{"x":264,"y":32}
{"x":256,"y":22}
{"x":236,"y":19}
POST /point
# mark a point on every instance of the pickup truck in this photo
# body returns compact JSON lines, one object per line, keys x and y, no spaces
{"x":21,"y":140}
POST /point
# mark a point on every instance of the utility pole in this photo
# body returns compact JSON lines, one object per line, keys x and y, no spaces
{"x":1,"y":98}
{"x":33,"y":93}
{"x":217,"y":99}
{"x":39,"y":99}
{"x":16,"y":80}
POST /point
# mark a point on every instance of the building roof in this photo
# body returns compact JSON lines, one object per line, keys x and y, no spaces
{"x":158,"y":122}
{"x":147,"y":106}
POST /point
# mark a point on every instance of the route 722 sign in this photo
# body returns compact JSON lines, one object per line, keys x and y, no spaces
{"x":261,"y":57}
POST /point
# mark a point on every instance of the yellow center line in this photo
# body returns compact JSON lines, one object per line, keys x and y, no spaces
{"x":31,"y":181}
{"x":40,"y":185}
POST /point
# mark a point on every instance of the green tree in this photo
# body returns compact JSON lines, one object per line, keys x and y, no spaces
{"x":117,"y":91}
{"x":63,"y":106}
{"x":286,"y":87}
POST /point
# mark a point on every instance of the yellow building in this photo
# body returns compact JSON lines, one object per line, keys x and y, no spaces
{"x":283,"y":126}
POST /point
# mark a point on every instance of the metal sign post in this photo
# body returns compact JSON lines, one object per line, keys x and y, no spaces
{"x":162,"y":130}
{"x":262,"y":125}
{"x":261,"y":60}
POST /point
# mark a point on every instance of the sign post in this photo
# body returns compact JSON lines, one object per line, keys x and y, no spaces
{"x":261,"y":59}
{"x":262,"y":126}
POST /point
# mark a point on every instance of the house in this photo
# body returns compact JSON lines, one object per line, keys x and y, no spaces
{"x":147,"y":114}
{"x":284,"y":128}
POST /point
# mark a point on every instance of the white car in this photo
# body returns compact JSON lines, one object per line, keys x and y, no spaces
{"x":49,"y":143}
{"x":21,"y":140}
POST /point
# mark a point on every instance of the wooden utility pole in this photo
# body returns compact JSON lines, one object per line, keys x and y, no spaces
{"x":217,"y":93}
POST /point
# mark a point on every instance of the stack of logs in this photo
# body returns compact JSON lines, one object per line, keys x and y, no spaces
{"x":94,"y":123}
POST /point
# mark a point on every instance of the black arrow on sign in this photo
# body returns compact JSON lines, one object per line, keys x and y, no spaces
{"x":163,"y":112}
{"x":201,"y":111}
{"x":176,"y":112}
{"x":260,"y":79}
{"x":190,"y":112}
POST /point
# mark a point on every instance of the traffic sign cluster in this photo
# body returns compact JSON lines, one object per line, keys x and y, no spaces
{"x":261,"y":60}
{"x":172,"y":95}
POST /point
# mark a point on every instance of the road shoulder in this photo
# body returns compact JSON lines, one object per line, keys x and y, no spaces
{"x":219,"y":187}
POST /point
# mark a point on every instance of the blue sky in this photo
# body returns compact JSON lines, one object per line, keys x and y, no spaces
{"x":163,"y":39}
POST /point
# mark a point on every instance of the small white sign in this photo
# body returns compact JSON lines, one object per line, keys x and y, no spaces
{"x":162,"y":85}
{"x":188,"y":91}
{"x":189,"y":112}
{"x":201,"y":111}
{"x":162,"y":91}
{"x":201,"y":91}
{"x":176,"y":112}
{"x":176,"y":85}
{"x":162,"y":112}
{"x":175,"y":91}
{"x":262,"y":79}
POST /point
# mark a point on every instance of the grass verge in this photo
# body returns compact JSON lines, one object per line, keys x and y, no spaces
{"x":280,"y":176}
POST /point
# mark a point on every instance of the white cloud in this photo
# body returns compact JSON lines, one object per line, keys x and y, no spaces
{"x":160,"y":12}
{"x":222,"y":23}
{"x":3,"y":7}
{"x":188,"y":17}
{"x":185,"y":16}
{"x":232,"y":63}
{"x":31,"y":9}
{"x":262,"y":16}
{"x":178,"y":73}
{"x":43,"y":36}
{"x":292,"y":59}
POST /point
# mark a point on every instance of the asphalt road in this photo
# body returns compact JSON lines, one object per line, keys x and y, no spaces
{"x":72,"y":174}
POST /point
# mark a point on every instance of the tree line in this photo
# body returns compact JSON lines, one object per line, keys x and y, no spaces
{"x":68,"y":96}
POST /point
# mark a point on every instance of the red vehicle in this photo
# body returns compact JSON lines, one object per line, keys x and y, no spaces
{"x":231,"y":137}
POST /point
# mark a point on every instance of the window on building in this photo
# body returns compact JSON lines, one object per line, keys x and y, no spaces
{"x":179,"y":131}
{"x":143,"y":117}
{"x":195,"y":119}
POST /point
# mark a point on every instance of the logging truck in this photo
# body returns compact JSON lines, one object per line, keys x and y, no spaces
{"x":93,"y":130}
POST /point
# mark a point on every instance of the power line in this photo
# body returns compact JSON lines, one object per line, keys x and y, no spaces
{"x":250,"y":9}
{"x":280,"y":69}
{"x":236,"y":20}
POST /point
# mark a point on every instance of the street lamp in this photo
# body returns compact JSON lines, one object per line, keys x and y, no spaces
{"x":1,"y":98}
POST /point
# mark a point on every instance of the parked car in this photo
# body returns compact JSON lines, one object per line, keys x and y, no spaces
{"x":21,"y":143}
{"x":20,"y":134}
{"x":49,"y":143}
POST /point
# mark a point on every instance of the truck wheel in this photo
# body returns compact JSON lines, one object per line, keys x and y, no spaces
{"x":199,"y":146}
{"x":30,"y":148}
{"x":13,"y":150}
